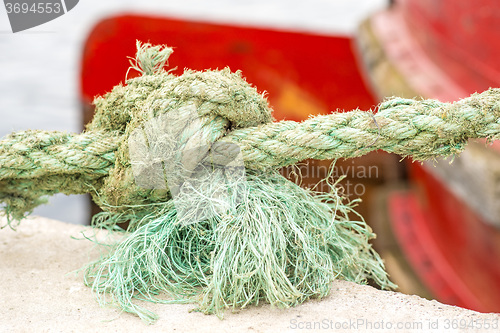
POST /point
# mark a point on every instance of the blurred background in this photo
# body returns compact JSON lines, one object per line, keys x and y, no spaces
{"x":437,"y":224}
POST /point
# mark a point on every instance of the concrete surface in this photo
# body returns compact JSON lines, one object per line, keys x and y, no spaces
{"x":40,"y":292}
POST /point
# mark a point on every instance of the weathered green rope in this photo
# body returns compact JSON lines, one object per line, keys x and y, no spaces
{"x":271,"y":240}
{"x":30,"y":154}
{"x":421,"y":129}
{"x":35,"y":164}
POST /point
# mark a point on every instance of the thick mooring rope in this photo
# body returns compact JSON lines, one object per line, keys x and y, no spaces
{"x":422,"y":129}
{"x":31,"y":154}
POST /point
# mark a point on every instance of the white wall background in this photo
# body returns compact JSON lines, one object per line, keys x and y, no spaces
{"x":39,"y":67}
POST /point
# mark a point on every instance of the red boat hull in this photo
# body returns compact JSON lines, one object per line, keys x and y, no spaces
{"x":447,"y":50}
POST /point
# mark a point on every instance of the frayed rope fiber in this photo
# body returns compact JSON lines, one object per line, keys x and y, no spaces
{"x":261,"y":239}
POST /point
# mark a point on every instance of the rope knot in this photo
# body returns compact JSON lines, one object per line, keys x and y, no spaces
{"x":166,"y":123}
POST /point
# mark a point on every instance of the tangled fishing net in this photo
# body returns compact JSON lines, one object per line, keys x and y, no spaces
{"x":190,"y":163}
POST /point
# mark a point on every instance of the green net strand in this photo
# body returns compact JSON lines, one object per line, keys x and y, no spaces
{"x":264,"y":249}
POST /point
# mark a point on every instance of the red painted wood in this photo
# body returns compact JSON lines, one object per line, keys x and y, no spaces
{"x":461,"y":36}
{"x":446,"y":49}
{"x":450,"y":248}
